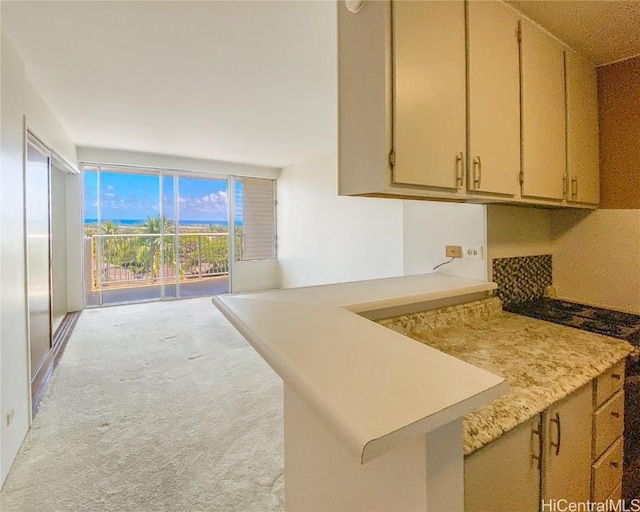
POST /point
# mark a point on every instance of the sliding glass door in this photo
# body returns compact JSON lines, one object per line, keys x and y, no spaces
{"x":154,"y":235}
{"x":203,"y":236}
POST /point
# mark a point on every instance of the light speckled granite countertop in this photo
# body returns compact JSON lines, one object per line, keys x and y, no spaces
{"x":543,"y":362}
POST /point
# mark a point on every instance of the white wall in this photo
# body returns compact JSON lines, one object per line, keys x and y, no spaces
{"x":14,"y":375}
{"x":596,"y":254}
{"x":430,"y":226}
{"x":18,"y":99}
{"x":596,"y":257}
{"x":43,"y":122}
{"x":249,"y":276}
{"x":518,"y":231}
{"x":324,"y":238}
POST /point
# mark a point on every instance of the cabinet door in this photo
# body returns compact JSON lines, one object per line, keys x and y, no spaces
{"x":543,"y":114}
{"x":505,"y":475}
{"x":582,"y":130}
{"x":566,"y":472}
{"x":429,"y":112}
{"x":494,"y":98}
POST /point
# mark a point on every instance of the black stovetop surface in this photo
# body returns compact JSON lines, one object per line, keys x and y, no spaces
{"x":616,"y":324}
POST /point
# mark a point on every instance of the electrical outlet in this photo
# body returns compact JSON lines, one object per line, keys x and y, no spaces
{"x":453,"y":251}
{"x":473,"y":252}
{"x":10,"y":416}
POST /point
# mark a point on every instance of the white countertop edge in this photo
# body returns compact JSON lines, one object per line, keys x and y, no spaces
{"x":377,"y":447}
{"x":361,"y":307}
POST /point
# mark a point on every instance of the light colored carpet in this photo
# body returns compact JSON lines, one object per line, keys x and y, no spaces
{"x":154,"y":407}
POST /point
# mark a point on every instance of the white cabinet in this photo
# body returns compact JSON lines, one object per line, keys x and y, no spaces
{"x":429,"y":106}
{"x":544,"y":156}
{"x":429,"y":94}
{"x":608,"y":427}
{"x":364,"y":112}
{"x":582,"y":130}
{"x":566,"y":472}
{"x":548,"y":458}
{"x":505,"y":475}
{"x":402,"y":99}
{"x":494,"y":98}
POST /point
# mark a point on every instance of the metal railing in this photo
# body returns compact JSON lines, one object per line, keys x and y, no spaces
{"x":141,"y":259}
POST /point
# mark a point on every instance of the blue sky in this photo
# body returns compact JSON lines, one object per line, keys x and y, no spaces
{"x":134,"y":196}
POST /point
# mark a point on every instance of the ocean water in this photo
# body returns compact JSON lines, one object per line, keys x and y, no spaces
{"x":137,"y":222}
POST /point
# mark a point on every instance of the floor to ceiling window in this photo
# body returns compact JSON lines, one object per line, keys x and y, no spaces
{"x":152,"y":235}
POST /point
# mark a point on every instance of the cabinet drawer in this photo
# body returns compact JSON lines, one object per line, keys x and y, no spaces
{"x":607,"y":472}
{"x":609,"y":383}
{"x":608,"y":423}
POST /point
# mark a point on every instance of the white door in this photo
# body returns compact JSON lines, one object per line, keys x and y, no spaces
{"x":38,"y":250}
{"x":494,"y":98}
{"x":544,"y":158}
{"x":429,"y":87}
{"x":567,"y":448}
{"x":582,"y":130}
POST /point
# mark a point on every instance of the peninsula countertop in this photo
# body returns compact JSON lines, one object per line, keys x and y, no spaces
{"x":542,"y":361}
{"x":374,"y":387}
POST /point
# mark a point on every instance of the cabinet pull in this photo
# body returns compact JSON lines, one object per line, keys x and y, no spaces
{"x":565,"y":187}
{"x":538,"y":457}
{"x":616,"y":376}
{"x":615,"y":414}
{"x":459,"y":168}
{"x":556,"y":420}
{"x":614,"y":464}
{"x":574,"y":188}
{"x":477,"y":172}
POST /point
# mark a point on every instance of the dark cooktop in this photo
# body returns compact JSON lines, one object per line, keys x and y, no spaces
{"x":617,"y":324}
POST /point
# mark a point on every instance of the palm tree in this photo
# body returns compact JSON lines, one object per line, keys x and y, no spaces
{"x":112,"y":250}
{"x":149,"y":253}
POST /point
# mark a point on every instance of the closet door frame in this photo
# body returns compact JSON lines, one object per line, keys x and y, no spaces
{"x":32,"y":140}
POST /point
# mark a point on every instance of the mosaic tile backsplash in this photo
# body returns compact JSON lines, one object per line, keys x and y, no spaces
{"x":522,"y":279}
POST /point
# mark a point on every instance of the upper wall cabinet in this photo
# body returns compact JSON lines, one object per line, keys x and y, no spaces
{"x":431,"y":101}
{"x":582,"y":130}
{"x":494,"y":98}
{"x":543,"y":114}
{"x":429,"y":94}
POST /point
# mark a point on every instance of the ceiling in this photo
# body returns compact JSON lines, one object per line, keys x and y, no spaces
{"x":251,"y":82}
{"x":241,"y":81}
{"x":604,"y":31}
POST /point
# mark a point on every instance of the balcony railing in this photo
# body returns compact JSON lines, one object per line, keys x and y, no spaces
{"x":127,"y":260}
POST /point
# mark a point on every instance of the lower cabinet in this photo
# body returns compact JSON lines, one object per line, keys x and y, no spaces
{"x":546,"y":458}
{"x":566,"y":469}
{"x":505,"y":474}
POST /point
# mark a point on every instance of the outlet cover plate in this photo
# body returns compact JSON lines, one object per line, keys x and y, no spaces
{"x":473,"y":252}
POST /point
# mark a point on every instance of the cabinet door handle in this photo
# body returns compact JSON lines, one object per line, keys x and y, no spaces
{"x":614,"y":464}
{"x":556,"y":420}
{"x":477,"y":172}
{"x":616,"y":376}
{"x":459,"y":168}
{"x":615,"y":414}
{"x":574,"y":188}
{"x":538,"y":457}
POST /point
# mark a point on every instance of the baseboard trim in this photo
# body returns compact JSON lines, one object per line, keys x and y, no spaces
{"x":42,"y":379}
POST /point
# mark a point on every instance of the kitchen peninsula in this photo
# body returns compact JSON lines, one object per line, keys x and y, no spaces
{"x":374,"y":419}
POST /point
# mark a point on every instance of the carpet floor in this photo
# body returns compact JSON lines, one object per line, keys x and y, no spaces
{"x":154,"y":407}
